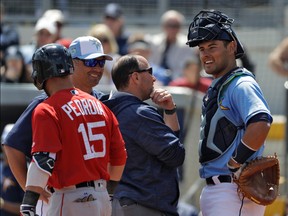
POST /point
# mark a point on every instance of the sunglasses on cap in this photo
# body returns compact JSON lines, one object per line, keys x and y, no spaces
{"x":149,"y":70}
{"x":93,"y":62}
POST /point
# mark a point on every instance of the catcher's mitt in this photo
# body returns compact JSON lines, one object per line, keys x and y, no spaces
{"x":258,"y":180}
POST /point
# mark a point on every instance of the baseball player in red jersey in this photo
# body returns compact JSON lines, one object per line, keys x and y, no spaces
{"x":76,"y":146}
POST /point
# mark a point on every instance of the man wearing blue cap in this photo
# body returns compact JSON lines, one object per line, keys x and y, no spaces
{"x":89,"y":61}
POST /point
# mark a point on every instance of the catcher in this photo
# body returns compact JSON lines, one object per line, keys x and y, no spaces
{"x":235,"y":123}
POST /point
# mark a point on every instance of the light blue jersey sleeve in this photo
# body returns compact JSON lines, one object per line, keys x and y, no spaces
{"x":244,"y":99}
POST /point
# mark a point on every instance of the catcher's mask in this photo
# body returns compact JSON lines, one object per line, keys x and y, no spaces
{"x":51,"y":60}
{"x":212,"y":25}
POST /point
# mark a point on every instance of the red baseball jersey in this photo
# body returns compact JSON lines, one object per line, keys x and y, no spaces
{"x":83,"y":133}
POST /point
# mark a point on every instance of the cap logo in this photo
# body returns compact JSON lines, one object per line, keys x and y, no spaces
{"x":97,"y":44}
{"x":72,"y":50}
{"x":87,"y":47}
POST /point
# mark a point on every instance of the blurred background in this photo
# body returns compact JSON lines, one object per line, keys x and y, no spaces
{"x":259,"y":24}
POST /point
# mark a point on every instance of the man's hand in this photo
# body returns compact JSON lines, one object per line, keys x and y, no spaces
{"x":163,"y":99}
{"x":232,"y":164}
{"x":45,"y":194}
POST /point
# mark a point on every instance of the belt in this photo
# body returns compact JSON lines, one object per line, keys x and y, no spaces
{"x":95,"y":184}
{"x":86,"y":184}
{"x":218,"y":179}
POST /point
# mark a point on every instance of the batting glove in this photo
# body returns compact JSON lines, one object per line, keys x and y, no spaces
{"x":27,"y":210}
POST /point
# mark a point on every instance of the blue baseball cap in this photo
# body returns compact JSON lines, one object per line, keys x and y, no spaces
{"x":87,"y":47}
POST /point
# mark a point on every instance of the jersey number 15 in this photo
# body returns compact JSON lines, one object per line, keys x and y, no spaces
{"x":88,"y":136}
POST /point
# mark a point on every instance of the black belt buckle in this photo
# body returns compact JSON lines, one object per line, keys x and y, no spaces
{"x":126,"y":202}
{"x":85,"y":184}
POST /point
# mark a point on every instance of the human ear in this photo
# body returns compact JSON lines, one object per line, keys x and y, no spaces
{"x":233,"y":47}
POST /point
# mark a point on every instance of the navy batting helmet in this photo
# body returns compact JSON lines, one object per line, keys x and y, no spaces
{"x":212,"y":25}
{"x":51,"y":60}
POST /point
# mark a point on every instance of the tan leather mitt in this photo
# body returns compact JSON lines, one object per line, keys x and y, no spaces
{"x":258,"y":180}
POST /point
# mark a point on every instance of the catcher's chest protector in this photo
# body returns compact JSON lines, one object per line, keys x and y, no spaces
{"x":216,"y":137}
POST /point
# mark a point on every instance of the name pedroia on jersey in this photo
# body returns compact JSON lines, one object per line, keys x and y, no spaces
{"x":82,"y":107}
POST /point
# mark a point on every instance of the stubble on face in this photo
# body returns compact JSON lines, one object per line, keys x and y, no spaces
{"x":214,"y":57}
{"x":147,"y":80}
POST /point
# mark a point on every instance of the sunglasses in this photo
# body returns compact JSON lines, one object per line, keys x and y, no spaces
{"x":93,"y":62}
{"x":149,"y":70}
{"x":172,"y":25}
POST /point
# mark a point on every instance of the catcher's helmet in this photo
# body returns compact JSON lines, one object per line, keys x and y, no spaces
{"x":212,"y":25}
{"x":51,"y":60}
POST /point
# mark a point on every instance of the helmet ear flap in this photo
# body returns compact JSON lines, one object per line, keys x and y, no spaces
{"x":240,"y":49}
{"x":37,"y":74}
{"x":39,"y":85}
{"x":35,"y":79}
